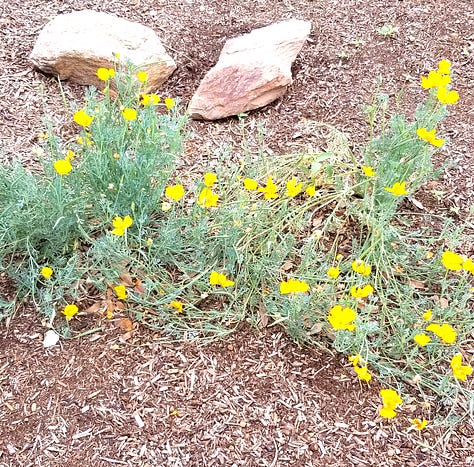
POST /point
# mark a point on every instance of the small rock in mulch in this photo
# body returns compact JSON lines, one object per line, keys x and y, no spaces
{"x":74,"y":45}
{"x":252,"y":71}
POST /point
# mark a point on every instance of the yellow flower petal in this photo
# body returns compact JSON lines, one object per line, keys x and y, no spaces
{"x":207,"y":198}
{"x":62,"y":166}
{"x":293,"y":286}
{"x":341,"y":318}
{"x":427,"y":315}
{"x":129,"y":114}
{"x":174,"y":192}
{"x":422,"y":339}
{"x":333,"y":272}
{"x":452,"y":261}
{"x":82,"y":118}
{"x":121,"y":292}
{"x":311,"y":190}
{"x":104,"y":74}
{"x":419,"y":424}
{"x":460,"y":371}
{"x":169,"y":103}
{"x":293,"y":187}
{"x":250,"y":184}
{"x":46,"y":272}
{"x":142,"y":76}
{"x":368,"y":171}
{"x":397,"y":189}
{"x":177,"y":305}
{"x":69,"y":311}
{"x":361,"y":268}
{"x":217,"y":278}
{"x":209,"y":179}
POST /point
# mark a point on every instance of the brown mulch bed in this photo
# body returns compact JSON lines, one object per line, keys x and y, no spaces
{"x":253,"y":399}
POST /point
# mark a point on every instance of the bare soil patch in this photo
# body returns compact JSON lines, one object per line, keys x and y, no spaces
{"x":253,"y":399}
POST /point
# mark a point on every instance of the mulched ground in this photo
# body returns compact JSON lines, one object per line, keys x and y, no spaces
{"x":253,"y":399}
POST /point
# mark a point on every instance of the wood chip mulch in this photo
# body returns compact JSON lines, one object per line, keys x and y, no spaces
{"x":253,"y":399}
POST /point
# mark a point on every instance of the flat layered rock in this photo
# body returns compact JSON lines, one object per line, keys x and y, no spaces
{"x":74,"y":45}
{"x":252,"y":71}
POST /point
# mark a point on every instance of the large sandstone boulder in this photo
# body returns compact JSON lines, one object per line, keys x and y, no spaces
{"x":74,"y":45}
{"x":252,"y":71}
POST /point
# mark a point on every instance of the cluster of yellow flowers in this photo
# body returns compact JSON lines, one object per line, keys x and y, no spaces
{"x":455,"y":262}
{"x":438,"y":79}
{"x":270,"y":189}
{"x":390,"y":401}
{"x":83,"y":119}
{"x":341,"y":318}
{"x":452,"y":262}
{"x":361,"y":371}
{"x":206,"y":198}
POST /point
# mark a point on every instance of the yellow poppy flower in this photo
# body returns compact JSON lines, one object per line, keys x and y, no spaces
{"x":177,"y":305}
{"x":207,"y":198}
{"x":361,"y":292}
{"x":444,"y":67}
{"x":270,"y":190}
{"x":361,"y":268}
{"x":62,"y":166}
{"x":341,"y":318}
{"x":429,"y":137}
{"x":452,"y":261}
{"x":368,"y":171}
{"x":333,"y":272}
{"x":435,"y":80}
{"x":46,"y":272}
{"x":311,"y":190}
{"x":169,"y":102}
{"x":419,"y":424}
{"x":292,"y":286}
{"x":250,"y":184}
{"x":217,"y":278}
{"x":104,"y":74}
{"x":121,"y":292}
{"x":447,"y":97}
{"x":460,"y":371}
{"x":398,"y":189}
{"x":174,"y":192}
{"x":293,"y":187}
{"x":444,"y":331}
{"x":427,"y":315}
{"x":390,"y":400}
{"x":69,"y":311}
{"x":422,"y":339}
{"x":120,"y":225}
{"x":82,"y":118}
{"x":142,"y":76}
{"x":209,"y":179}
{"x":129,"y":114}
